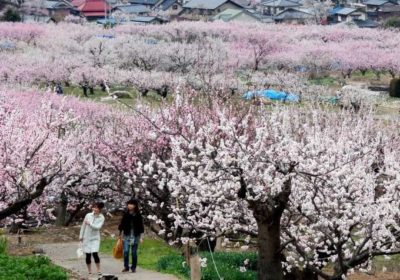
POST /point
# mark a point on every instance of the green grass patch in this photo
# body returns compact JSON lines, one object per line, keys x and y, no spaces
{"x":391,"y":263}
{"x":227,"y":263}
{"x":3,"y":245}
{"x":23,"y":268}
{"x":32,"y":268}
{"x":323,"y":81}
{"x":149,"y":252}
{"x":152,"y":98}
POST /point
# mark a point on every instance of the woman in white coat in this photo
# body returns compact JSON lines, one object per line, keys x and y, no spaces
{"x":90,"y":236}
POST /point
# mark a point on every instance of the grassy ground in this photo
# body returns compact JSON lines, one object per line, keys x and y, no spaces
{"x":149,"y":252}
{"x":152,"y":98}
{"x":32,"y":268}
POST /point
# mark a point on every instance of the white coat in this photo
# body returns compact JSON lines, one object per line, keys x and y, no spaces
{"x":91,"y":233}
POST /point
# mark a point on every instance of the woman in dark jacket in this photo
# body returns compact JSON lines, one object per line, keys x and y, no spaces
{"x":132,"y":228}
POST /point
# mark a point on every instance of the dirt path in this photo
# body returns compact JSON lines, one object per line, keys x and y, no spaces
{"x":64,"y":255}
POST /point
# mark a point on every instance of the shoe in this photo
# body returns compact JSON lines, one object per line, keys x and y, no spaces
{"x":133,"y":270}
{"x":125,"y":270}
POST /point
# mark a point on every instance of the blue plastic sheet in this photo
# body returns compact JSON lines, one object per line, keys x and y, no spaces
{"x":272,"y":95}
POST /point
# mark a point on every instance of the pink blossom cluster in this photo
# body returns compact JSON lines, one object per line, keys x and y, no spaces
{"x":202,"y":56}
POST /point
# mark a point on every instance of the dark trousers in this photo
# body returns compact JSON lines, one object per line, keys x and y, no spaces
{"x":95,"y":257}
{"x":131,"y":244}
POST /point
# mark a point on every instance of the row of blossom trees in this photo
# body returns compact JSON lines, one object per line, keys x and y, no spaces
{"x":319,"y":189}
{"x":207,"y":57}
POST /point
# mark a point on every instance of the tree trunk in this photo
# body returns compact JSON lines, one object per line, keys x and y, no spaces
{"x":269,"y":242}
{"x":91,"y":90}
{"x":84,"y":88}
{"x":74,"y":213}
{"x":62,"y":210}
{"x":26,"y":201}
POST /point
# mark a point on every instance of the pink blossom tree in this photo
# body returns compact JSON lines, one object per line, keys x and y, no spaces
{"x":309,"y":185}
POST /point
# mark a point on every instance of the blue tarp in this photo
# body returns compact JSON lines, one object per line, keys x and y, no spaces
{"x":7,"y":46}
{"x":272,"y":95}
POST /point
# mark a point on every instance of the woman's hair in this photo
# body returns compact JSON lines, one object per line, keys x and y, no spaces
{"x":99,"y":205}
{"x":134,"y":202}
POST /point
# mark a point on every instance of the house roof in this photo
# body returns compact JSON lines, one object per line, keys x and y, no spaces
{"x":77,"y":3}
{"x":230,"y":14}
{"x":261,"y":17}
{"x":144,"y":2}
{"x":165,"y":5}
{"x":390,"y":9}
{"x":208,"y":4}
{"x":280,"y":3}
{"x":376,"y":2}
{"x":51,"y":5}
{"x":294,"y":13}
{"x":342,"y":11}
{"x":132,"y":9}
{"x":94,"y":6}
{"x":346,"y":11}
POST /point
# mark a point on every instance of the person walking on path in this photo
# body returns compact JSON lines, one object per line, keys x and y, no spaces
{"x":132,"y":228}
{"x":90,"y":236}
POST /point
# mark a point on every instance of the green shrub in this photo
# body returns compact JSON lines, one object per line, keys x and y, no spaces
{"x":32,"y":268}
{"x":228,"y":264}
{"x":11,"y":15}
{"x":3,"y":245}
{"x":394,"y":90}
{"x":392,"y":22}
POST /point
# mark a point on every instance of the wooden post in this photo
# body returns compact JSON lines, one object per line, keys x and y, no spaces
{"x":193,"y":261}
{"x":19,"y":237}
{"x":218,"y":245}
{"x":195,"y":269}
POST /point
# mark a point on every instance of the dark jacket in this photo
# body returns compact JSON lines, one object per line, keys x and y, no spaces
{"x":127,"y":220}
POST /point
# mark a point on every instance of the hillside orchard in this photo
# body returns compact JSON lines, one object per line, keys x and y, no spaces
{"x":317,"y":186}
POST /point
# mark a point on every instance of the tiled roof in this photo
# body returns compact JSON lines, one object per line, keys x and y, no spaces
{"x":207,"y":4}
{"x":280,"y":3}
{"x":94,"y":6}
{"x":133,"y":9}
{"x":346,"y":11}
{"x":376,"y":2}
{"x":144,"y":2}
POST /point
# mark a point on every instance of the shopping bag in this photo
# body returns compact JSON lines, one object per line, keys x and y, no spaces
{"x":79,"y":251}
{"x":118,"y":250}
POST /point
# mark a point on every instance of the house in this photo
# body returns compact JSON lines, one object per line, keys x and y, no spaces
{"x":274,"y":7}
{"x":387,"y":12}
{"x":375,"y":5}
{"x":346,"y":14}
{"x":295,"y":16}
{"x":381,"y":9}
{"x":57,"y":10}
{"x":260,"y":16}
{"x":170,"y":8}
{"x":207,"y":8}
{"x":94,"y":9}
{"x":128,"y":12}
{"x":236,"y":15}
